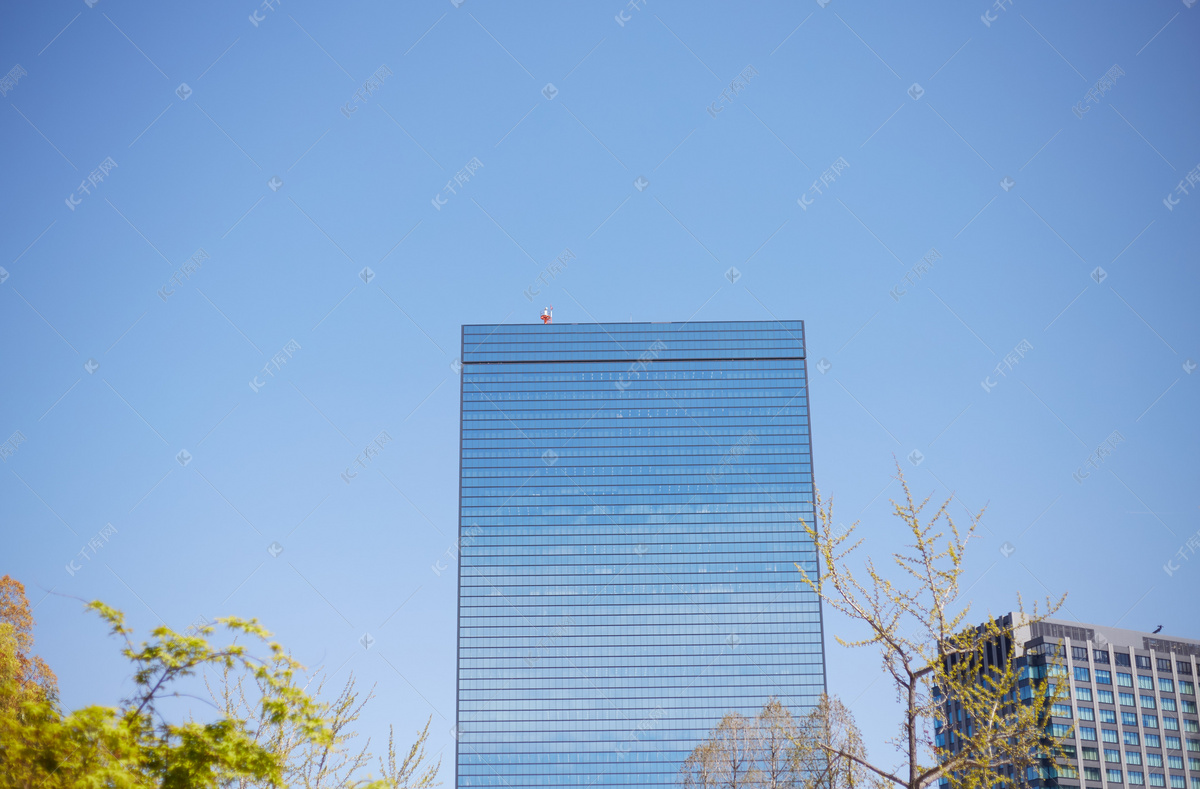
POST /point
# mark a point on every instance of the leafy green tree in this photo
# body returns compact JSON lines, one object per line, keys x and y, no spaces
{"x":336,"y":761}
{"x":933,"y":656}
{"x":135,"y":746}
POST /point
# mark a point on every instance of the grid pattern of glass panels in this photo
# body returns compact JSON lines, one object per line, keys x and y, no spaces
{"x":628,"y":534}
{"x":1130,"y":716}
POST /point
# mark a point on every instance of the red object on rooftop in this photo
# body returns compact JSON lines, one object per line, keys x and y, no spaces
{"x":548,"y":314}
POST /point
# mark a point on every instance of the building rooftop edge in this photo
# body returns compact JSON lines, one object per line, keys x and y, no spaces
{"x":1114,"y":635}
{"x":634,"y":323}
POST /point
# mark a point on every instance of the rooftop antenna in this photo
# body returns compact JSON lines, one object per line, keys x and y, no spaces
{"x":548,"y":314}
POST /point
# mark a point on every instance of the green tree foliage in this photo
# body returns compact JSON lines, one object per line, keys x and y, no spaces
{"x":282,"y":734}
{"x":335,"y":761}
{"x":933,"y":656}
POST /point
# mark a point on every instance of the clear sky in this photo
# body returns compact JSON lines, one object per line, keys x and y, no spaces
{"x":192,"y":191}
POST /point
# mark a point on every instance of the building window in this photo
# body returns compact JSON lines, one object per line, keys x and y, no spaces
{"x":1127,"y":700}
{"x":1183,"y":668}
{"x":1166,"y":685}
{"x":1124,"y":680}
{"x":1131,"y":738}
{"x":1105,"y":696}
{"x":1089,"y":733}
{"x":1136,"y":778}
{"x":1081,"y":674}
{"x":1189,"y":706}
{"x":1175,"y":762}
{"x":1122,"y":658}
{"x":1103,"y":677}
{"x":1091,"y":773}
{"x":1178,"y":782}
{"x":1108,"y":716}
{"x":1090,"y":754}
{"x":1145,"y":683}
{"x":1190,"y":725}
{"x":1086,"y":714}
{"x":1133,"y":757}
{"x":1129,"y":719}
{"x":1114,"y":776}
{"x":1194,"y":764}
{"x":1170,"y":724}
{"x":1060,"y":729}
{"x":1193,"y":745}
{"x":1154,"y":759}
{"x":1164,"y":665}
{"x":1173,"y":743}
{"x":1143,"y":661}
{"x":1187,"y":688}
{"x":1100,"y":655}
{"x":1147,"y":702}
{"x":1079,"y":653}
{"x":1150,"y":721}
{"x":1152,"y":741}
{"x":1168,"y":704}
{"x":1083,"y":694}
{"x":1158,"y":779}
{"x":1111,"y":755}
{"x":1060,"y":710}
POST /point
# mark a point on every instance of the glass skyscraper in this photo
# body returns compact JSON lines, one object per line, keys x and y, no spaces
{"x":630,"y":496}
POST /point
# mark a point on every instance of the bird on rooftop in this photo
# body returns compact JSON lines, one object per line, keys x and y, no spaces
{"x":1158,"y":628}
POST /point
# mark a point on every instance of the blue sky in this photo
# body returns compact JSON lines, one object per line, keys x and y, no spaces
{"x":189,"y":191}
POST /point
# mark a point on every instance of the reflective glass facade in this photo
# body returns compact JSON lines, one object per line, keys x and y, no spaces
{"x":1129,"y":713}
{"x":630,"y":496}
